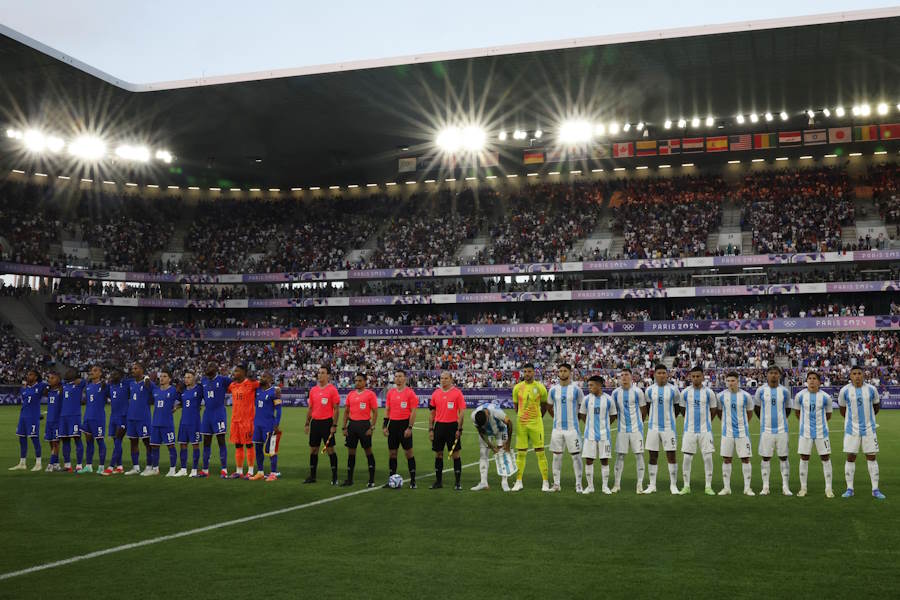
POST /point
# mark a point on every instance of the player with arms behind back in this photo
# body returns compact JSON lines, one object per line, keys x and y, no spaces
{"x":665,"y":404}
{"x":321,"y":422}
{"x":564,"y":400}
{"x":29,"y":425}
{"x":189,"y":425}
{"x":213,"y":422}
{"x":859,"y":403}
{"x":243,"y":407}
{"x":445,"y":428}
{"x":530,"y":400}
{"x":698,"y":403}
{"x":597,"y":410}
{"x":631,"y":407}
{"x":360,"y":416}
{"x":266,"y":421}
{"x":772,"y":405}
{"x":814,"y":408}
{"x":735,"y":410}
{"x":94,"y":424}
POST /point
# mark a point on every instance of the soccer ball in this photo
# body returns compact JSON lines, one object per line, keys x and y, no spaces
{"x":395,"y":481}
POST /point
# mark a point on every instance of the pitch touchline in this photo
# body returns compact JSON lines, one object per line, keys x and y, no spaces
{"x":214,"y":526}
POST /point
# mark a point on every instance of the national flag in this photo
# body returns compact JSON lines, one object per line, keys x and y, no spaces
{"x":601,"y":151}
{"x":533,"y":157}
{"x":740,"y":142}
{"x":645,"y":147}
{"x":765,"y":140}
{"x":623,"y":149}
{"x":667,"y":147}
{"x":489,"y":159}
{"x":890,"y":131}
{"x":718,"y":143}
{"x":406,"y":165}
{"x":690,"y":145}
{"x":839,"y":135}
{"x":865,"y":133}
{"x":813,"y":137}
{"x":790,"y":138}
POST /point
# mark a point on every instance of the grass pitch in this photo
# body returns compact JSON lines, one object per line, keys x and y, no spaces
{"x":441,"y":543}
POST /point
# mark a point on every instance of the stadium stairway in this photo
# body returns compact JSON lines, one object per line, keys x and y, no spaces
{"x":729,"y":232}
{"x":26,"y":318}
{"x":600,"y":239}
{"x":868,"y":222}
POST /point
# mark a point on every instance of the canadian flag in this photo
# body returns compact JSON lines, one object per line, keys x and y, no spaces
{"x":623,"y":149}
{"x":838,"y":135}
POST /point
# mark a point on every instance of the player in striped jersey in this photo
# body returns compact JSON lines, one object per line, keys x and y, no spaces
{"x":735,"y":410}
{"x":494,"y":430}
{"x":698,"y":403}
{"x":814,"y":408}
{"x":631,"y":407}
{"x":859,"y":403}
{"x":564,"y":401}
{"x":530,"y":400}
{"x":664,"y":401}
{"x":772,"y":404}
{"x":597,"y":409}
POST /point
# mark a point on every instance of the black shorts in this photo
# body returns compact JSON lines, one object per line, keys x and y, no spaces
{"x":357,"y":434}
{"x":445,"y":437}
{"x":319,"y":431}
{"x":396,"y":429}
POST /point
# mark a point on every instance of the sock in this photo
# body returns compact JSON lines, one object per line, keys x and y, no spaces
{"x":410,"y":463}
{"x":117,"y":452}
{"x":604,"y":475}
{"x":673,"y":473}
{"x":370,"y":459}
{"x":708,"y":468}
{"x":457,"y":469}
{"x":746,"y":469}
{"x":223,"y":456}
{"x":620,"y":464}
{"x":557,"y":467}
{"x":195,"y":456}
{"x":542,"y":464}
{"x":521,"y":458}
{"x":804,"y":473}
{"x":173,"y":460}
{"x":686,"y":469}
{"x":826,"y":469}
{"x":849,"y":472}
{"x":54,"y":459}
{"x":785,"y":473}
{"x":136,"y":459}
{"x":79,"y":450}
{"x":483,"y":465}
{"x":439,"y":469}
{"x":765,"y":468}
{"x":23,"y":447}
{"x":207,"y":451}
{"x":250,"y":453}
{"x":273,"y":462}
{"x":333,"y":459}
{"x":392,"y":465}
{"x":726,"y":475}
{"x":154,"y":456}
{"x":183,"y":457}
{"x":313,"y":464}
{"x":653,"y":470}
{"x":89,"y":452}
{"x":577,"y":465}
{"x":589,"y":475}
{"x":239,"y":458}
{"x":67,"y":451}
{"x":873,"y":472}
{"x":639,"y":468}
{"x":101,"y":450}
{"x":36,"y":442}
{"x":260,"y":456}
{"x":351,"y":466}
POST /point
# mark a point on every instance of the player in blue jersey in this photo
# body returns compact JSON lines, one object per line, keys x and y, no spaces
{"x":96,"y":394}
{"x":563,"y":401}
{"x":735,"y":411}
{"x":162,"y":424}
{"x":772,"y":404}
{"x":70,"y":419}
{"x":137,"y":420}
{"x":664,"y":400}
{"x":214,"y":419}
{"x":118,"y":417}
{"x":859,"y":402}
{"x":596,"y":411}
{"x":29,"y":425}
{"x":814,"y":408}
{"x":698,"y":403}
{"x":51,"y":424}
{"x":494,"y":435}
{"x":189,"y":426}
{"x":266,"y":421}
{"x":631,"y":406}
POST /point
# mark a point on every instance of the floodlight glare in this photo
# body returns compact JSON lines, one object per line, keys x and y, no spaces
{"x":55,"y":144}
{"x":14,"y":134}
{"x":164,"y":155}
{"x":34,"y":140}
{"x":538,"y":134}
{"x":473,"y":138}
{"x":613,"y":128}
{"x":810,"y":113}
{"x":87,"y":147}
{"x":695,"y":122}
{"x":754,"y":117}
{"x":865,"y":110}
{"x":826,"y":111}
{"x":135,"y":153}
{"x":682,"y":123}
{"x":626,"y":127}
{"x":450,"y":139}
{"x":575,"y":131}
{"x":709,"y":121}
{"x":668,"y":124}
{"x":600,"y":129}
{"x":855,"y":111}
{"x":839,"y":111}
{"x":502,"y":136}
{"x":882,"y":108}
{"x":783,"y":115}
{"x":769,"y":116}
{"x":640,"y":126}
{"x":739,"y":119}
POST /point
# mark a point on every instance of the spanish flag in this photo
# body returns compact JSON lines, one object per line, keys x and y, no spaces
{"x":717,"y":143}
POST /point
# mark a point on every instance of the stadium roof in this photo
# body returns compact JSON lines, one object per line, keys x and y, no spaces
{"x":350,"y":127}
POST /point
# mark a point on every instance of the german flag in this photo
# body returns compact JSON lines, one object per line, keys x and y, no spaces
{"x":533,"y":157}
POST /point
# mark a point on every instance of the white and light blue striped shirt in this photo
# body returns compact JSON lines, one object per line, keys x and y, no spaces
{"x":597,"y":412}
{"x":662,"y":407}
{"x":628,"y":406}
{"x":735,"y":406}
{"x":495,"y":425}
{"x":697,"y":404}
{"x":859,"y":402}
{"x":565,"y":401}
{"x":813,"y":410}
{"x":772,"y":402}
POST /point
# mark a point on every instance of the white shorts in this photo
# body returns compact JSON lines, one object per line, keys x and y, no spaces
{"x":769,"y":443}
{"x":691,"y":441}
{"x":823,"y":446}
{"x":731,"y":446}
{"x":600,"y":449}
{"x":624,"y":441}
{"x":664,"y":439}
{"x":561,"y":439}
{"x":869,"y":443}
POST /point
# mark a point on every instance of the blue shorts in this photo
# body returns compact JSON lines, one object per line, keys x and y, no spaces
{"x":161,"y":435}
{"x":260,"y":434}
{"x":51,"y":431}
{"x":116,"y":422}
{"x":93,"y":427}
{"x":188,"y":433}
{"x":69,"y":426}
{"x":28,"y":427}
{"x":213,"y":422}
{"x":137,"y":429}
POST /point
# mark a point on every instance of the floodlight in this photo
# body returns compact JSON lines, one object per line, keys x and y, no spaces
{"x":87,"y":147}
{"x":839,"y":111}
{"x":34,"y":140}
{"x":574,"y":131}
{"x":754,"y":117}
{"x":882,"y":108}
{"x":739,"y":119}
{"x":710,"y":121}
{"x":695,"y":122}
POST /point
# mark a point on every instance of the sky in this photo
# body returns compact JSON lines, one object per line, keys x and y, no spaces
{"x":171,"y":40}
